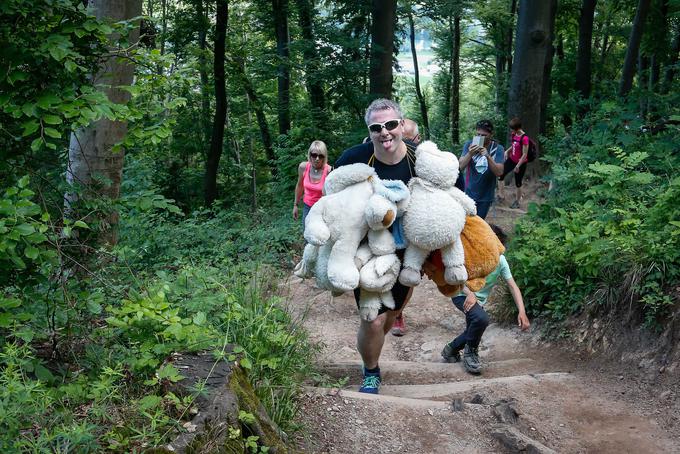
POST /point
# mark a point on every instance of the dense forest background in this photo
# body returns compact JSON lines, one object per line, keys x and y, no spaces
{"x":149,"y":155}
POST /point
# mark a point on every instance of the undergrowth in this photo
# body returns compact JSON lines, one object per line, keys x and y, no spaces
{"x":608,"y":236}
{"x":84,"y":355}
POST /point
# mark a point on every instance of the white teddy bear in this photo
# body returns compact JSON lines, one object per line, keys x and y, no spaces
{"x":435,"y":216}
{"x":357,"y":202}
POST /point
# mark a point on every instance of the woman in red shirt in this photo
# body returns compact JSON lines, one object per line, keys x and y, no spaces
{"x":311,"y":177}
{"x":516,"y":157}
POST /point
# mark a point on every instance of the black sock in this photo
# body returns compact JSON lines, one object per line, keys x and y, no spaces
{"x":375,"y":370}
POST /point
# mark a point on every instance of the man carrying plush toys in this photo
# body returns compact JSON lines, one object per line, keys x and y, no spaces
{"x":392,"y":159}
{"x":365,"y":196}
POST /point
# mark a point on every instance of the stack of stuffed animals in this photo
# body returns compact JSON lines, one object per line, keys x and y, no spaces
{"x":349,"y":244}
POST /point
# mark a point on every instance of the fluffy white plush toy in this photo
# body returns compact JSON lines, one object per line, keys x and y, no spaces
{"x":435,"y":216}
{"x":357,"y":202}
{"x":378,"y":274}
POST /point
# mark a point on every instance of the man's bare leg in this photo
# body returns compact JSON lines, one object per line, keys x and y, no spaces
{"x":371,"y":335}
{"x":399,"y":329}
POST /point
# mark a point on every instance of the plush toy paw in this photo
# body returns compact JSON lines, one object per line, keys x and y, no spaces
{"x":409,"y":277}
{"x":455,"y":274}
{"x":368,"y":308}
{"x":301,"y":270}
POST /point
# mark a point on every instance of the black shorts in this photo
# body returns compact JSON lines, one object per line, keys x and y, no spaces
{"x":509,"y":166}
{"x":399,"y":292}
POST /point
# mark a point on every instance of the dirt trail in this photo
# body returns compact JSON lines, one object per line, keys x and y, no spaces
{"x":530,"y":394}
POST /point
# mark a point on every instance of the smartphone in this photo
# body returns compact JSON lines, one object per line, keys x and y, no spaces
{"x":478,"y":140}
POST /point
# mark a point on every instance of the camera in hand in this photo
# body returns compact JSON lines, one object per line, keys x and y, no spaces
{"x":478,"y":140}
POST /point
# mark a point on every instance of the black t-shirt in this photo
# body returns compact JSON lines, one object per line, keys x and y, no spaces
{"x":403,"y":170}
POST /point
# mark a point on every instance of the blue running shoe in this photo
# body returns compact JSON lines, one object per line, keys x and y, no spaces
{"x":371,"y":383}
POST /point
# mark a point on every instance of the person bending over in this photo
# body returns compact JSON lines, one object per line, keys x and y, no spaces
{"x":476,"y":318}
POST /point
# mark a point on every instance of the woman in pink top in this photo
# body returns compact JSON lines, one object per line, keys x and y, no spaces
{"x":311,"y":177}
{"x":516,"y":157}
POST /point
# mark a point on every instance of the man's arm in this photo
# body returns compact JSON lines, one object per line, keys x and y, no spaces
{"x":496,"y":167}
{"x":468,"y":152}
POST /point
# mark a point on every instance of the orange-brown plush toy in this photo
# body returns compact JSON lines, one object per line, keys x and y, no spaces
{"x":482,"y":252}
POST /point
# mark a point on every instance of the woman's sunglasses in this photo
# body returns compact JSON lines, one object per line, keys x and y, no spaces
{"x":389,"y":125}
{"x":317,"y":156}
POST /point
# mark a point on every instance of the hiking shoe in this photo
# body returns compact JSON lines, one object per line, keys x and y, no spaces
{"x":371,"y":383}
{"x":471,"y":360}
{"x":515,"y":204}
{"x":399,"y":327}
{"x":450,"y":355}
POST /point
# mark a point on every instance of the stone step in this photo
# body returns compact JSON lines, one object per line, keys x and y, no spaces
{"x":402,"y":401}
{"x":409,"y":372}
{"x":446,"y":390}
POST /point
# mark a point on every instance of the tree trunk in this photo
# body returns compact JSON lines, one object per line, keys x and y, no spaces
{"x":202,"y":20}
{"x":643,"y":77}
{"x":314,"y":83}
{"x":383,"y":21}
{"x":547,"y":70}
{"x":280,"y":8}
{"x":217,"y":140}
{"x":419,"y":93}
{"x":585,"y":40}
{"x":633,"y":47}
{"x":253,"y":161}
{"x":500,"y":68}
{"x":164,"y":24}
{"x":672,"y":61}
{"x":659,"y":37}
{"x":508,"y":49}
{"x":532,"y":43}
{"x":454,"y":29}
{"x":254,"y":101}
{"x":92,"y":161}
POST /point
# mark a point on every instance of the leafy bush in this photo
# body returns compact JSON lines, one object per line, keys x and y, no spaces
{"x":608,"y":233}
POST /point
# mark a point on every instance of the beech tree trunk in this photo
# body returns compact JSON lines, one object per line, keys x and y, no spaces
{"x":383,"y":22}
{"x":280,"y":8}
{"x":532,"y":43}
{"x":633,"y":47}
{"x":217,"y":140}
{"x":419,"y":93}
{"x":314,"y":83}
{"x":454,"y":29}
{"x":585,"y":40}
{"x":93,"y":163}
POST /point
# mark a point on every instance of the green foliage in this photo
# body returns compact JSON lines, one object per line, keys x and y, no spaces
{"x":174,"y":285}
{"x":50,"y":48}
{"x":608,"y":234}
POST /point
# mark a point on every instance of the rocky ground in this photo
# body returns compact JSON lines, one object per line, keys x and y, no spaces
{"x":534,"y":395}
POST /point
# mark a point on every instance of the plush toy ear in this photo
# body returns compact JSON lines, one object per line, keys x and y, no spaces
{"x":388,"y":219}
{"x":380,"y":212}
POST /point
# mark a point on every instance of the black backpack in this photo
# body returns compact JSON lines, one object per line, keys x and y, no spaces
{"x":533,"y":149}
